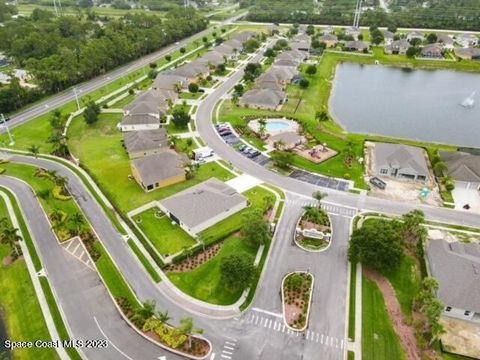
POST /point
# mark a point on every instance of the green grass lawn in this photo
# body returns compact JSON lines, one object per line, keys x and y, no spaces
{"x":351,"y":301}
{"x":168,"y":239}
{"x":190,"y":96}
{"x":21,"y":311}
{"x":27,"y":174}
{"x":100,"y":151}
{"x":204,"y":283}
{"x":379,"y":340}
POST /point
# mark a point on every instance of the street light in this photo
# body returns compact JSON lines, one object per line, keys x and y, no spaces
{"x":76,"y":97}
{"x":12,"y":142}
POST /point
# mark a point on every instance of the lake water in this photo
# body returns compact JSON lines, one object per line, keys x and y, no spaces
{"x":409,"y":104}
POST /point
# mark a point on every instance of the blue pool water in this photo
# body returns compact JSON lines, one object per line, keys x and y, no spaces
{"x":276,"y":125}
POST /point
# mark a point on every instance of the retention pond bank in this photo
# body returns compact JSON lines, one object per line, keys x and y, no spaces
{"x":409,"y":104}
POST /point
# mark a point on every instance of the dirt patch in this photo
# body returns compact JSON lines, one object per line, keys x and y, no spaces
{"x":461,"y":337}
{"x":317,"y":154}
{"x":9,"y":259}
{"x":405,"y":332}
{"x":193,"y":262}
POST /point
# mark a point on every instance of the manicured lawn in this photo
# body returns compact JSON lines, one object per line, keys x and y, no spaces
{"x":21,"y":311}
{"x":39,"y":184}
{"x":256,"y":196}
{"x":204,"y":282}
{"x":168,"y":239}
{"x":351,"y":302}
{"x":379,"y":340}
{"x":148,"y":266}
{"x":190,"y":96}
{"x":100,"y":151}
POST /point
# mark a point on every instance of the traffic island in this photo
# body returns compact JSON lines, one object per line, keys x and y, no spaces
{"x":313,"y":231}
{"x":297,"y":289}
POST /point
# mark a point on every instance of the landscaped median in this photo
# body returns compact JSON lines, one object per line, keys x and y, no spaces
{"x":313,"y":231}
{"x":297,"y":291}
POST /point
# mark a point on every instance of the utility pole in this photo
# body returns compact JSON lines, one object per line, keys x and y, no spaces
{"x":55,"y":6}
{"x":358,"y":11}
{"x":76,"y":98}
{"x":12,"y":142}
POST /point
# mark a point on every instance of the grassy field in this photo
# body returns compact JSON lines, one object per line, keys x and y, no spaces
{"x":19,"y":306}
{"x":204,"y":283}
{"x":379,"y":340}
{"x":168,"y":239}
{"x":351,"y":302}
{"x":100,"y":151}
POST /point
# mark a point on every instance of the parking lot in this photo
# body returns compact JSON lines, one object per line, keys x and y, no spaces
{"x":320,"y":180}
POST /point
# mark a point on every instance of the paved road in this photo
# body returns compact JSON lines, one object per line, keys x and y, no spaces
{"x":83,"y":89}
{"x":91,"y":314}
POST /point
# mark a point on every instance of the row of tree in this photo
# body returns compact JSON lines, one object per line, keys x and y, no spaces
{"x":62,"y":51}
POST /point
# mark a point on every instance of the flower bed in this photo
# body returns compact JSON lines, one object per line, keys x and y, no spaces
{"x":297,"y":290}
{"x":313,"y":230}
{"x":191,"y":263}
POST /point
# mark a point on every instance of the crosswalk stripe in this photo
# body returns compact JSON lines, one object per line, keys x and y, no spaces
{"x":226,"y":356}
{"x":228,"y":347}
{"x":321,"y":341}
{"x":230,"y":343}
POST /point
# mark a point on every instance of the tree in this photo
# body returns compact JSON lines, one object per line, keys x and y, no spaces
{"x":187,"y":251}
{"x":180,"y":118}
{"x":239,"y":89}
{"x":413,"y":231}
{"x":91,"y":112}
{"x":255,"y":229}
{"x":412,"y":52}
{"x":262,"y":126}
{"x":9,"y":236}
{"x":152,"y":74}
{"x":193,"y":87}
{"x":440,"y":167}
{"x":392,"y":28}
{"x":432,"y":38}
{"x":188,"y":328}
{"x":377,"y":244}
{"x":319,"y":196}
{"x":270,"y":53}
{"x":77,"y":221}
{"x":168,"y":58}
{"x":283,"y":160}
{"x":182,"y":50}
{"x":311,"y":69}
{"x":279,"y":144}
{"x":34,"y":150}
{"x":321,"y":115}
{"x":304,"y":83}
{"x":163,"y":316}
{"x":237,"y":271}
{"x":144,"y":312}
{"x":61,"y":181}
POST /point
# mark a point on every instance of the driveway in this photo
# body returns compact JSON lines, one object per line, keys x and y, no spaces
{"x":465,"y":193}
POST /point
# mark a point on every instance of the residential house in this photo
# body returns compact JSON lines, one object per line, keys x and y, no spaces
{"x":400,"y":161}
{"x":388,"y":37}
{"x":159,"y":170}
{"x":269,"y":81}
{"x":192,"y":70}
{"x":398,"y":47}
{"x":415,"y":35}
{"x":283,"y":74}
{"x":294,"y":55}
{"x":286,"y":62}
{"x":150,"y":102}
{"x":145,"y":143}
{"x":213,"y":57}
{"x":301,"y":42}
{"x":463,"y":167}
{"x":432,"y":51}
{"x":329,"y":40}
{"x":445,"y":41}
{"x":328,"y":30}
{"x":264,"y":99}
{"x":169,"y":82}
{"x":469,"y":53}
{"x":467,"y":40}
{"x":359,"y":46}
{"x":456,"y":267}
{"x":353,"y":31}
{"x":244,"y":36}
{"x":204,"y":205}
{"x":139,"y":122}
{"x":232,"y":43}
{"x":273,"y":29}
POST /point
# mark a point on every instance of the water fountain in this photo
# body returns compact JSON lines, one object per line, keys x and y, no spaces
{"x":469,"y":102}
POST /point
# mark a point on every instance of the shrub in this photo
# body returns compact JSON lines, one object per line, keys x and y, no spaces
{"x":2,"y":170}
{"x":58,"y":194}
{"x":193,"y":87}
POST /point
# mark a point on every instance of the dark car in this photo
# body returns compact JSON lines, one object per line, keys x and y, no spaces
{"x":378,"y":183}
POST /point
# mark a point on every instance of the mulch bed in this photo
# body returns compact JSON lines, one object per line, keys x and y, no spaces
{"x":195,"y":261}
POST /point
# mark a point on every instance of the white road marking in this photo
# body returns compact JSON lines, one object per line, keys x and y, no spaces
{"x":321,"y":341}
{"x":226,"y":356}
{"x":256,"y":321}
{"x":228,"y":347}
{"x":318,"y":335}
{"x":267,"y":312}
{"x":212,"y":357}
{"x":283,"y":329}
{"x":227,"y":352}
{"x":270,"y":324}
{"x":230,"y":343}
{"x":106,"y":337}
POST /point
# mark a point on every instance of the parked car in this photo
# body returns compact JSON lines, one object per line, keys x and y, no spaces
{"x":254,"y":154}
{"x":226,"y":133}
{"x":378,"y":183}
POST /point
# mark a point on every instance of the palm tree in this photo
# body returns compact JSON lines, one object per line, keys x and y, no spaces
{"x":319,"y":196}
{"x":10,"y":237}
{"x":163,"y":316}
{"x":34,"y":150}
{"x":61,"y":181}
{"x":77,"y":220}
{"x":262,"y":126}
{"x":52,"y":174}
{"x":4,"y":222}
{"x":440,"y":167}
{"x":145,"y":312}
{"x":279,"y":144}
{"x":56,"y":216}
{"x":187,"y":251}
{"x":174,"y":141}
{"x":188,"y":328}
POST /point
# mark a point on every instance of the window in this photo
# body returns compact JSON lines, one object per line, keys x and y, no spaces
{"x":449,"y":308}
{"x":466,"y":313}
{"x":150,"y":187}
{"x":384,"y":171}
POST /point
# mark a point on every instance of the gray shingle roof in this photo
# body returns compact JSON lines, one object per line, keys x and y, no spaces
{"x":150,"y":102}
{"x":456,"y":266}
{"x":140,"y":119}
{"x":467,"y":52}
{"x":263,"y":97}
{"x":462,"y":166}
{"x":145,"y":140}
{"x":244,"y":36}
{"x":202,"y":202}
{"x":356,"y":45}
{"x":401,"y":157}
{"x":168,"y":81}
{"x":328,"y":37}
{"x":397,"y":45}
{"x":213,"y":57}
{"x":158,"y":167}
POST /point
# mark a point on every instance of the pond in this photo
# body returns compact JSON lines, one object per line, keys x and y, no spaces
{"x":426,"y":105}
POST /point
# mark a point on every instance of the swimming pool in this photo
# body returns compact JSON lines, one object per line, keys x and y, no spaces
{"x":277,"y":125}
